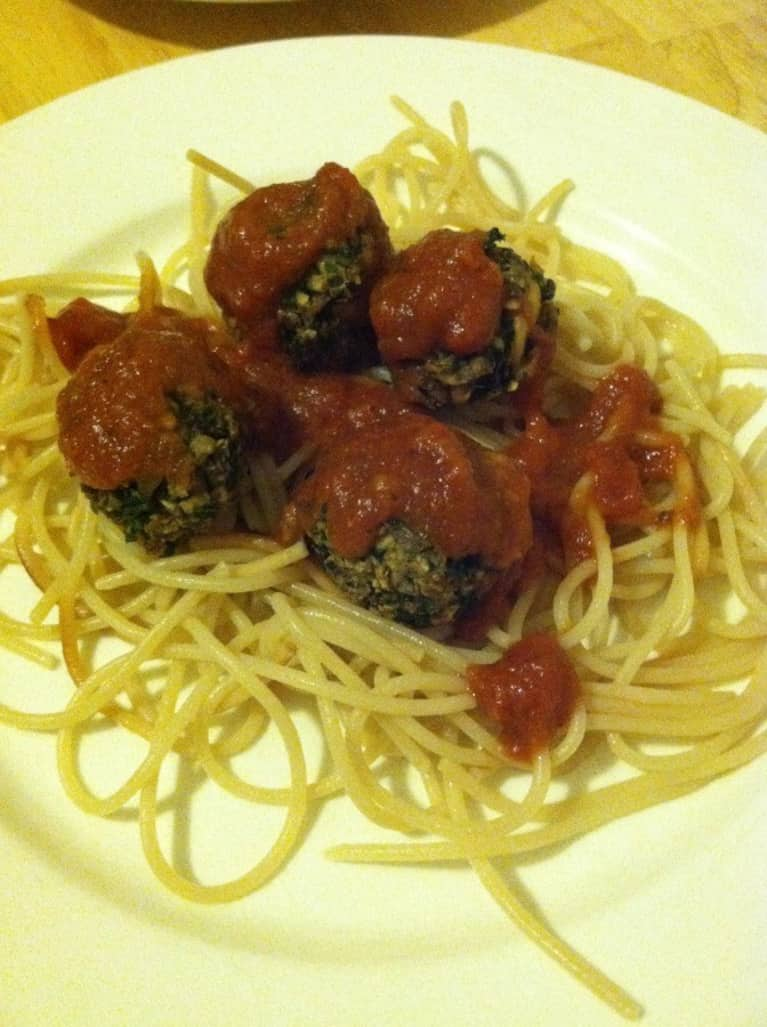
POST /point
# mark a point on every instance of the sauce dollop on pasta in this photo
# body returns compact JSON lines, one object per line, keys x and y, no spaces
{"x":531,"y":692}
{"x":81,"y":326}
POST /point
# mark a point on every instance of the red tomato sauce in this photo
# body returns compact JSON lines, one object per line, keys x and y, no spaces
{"x":531,"y":693}
{"x":80,"y":326}
{"x":315,"y":408}
{"x":618,"y":442}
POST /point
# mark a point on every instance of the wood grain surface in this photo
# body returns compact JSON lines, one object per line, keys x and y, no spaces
{"x":712,"y":50}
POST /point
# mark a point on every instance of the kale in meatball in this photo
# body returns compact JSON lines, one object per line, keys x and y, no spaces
{"x":403,"y":577}
{"x":161,"y":514}
{"x":318,"y":326}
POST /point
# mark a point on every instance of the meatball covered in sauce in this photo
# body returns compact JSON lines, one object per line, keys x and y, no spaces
{"x":453,"y":317}
{"x":413,"y":520}
{"x":292,"y":265}
{"x":151,"y":423}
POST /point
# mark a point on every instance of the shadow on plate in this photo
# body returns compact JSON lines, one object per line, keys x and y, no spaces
{"x":210,"y":26}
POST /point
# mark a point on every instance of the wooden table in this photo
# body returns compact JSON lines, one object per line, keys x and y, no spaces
{"x":712,"y":50}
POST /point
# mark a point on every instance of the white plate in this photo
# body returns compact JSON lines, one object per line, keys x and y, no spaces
{"x":672,"y":903}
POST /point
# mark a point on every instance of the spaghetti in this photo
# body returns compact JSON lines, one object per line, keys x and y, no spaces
{"x":206,"y":653}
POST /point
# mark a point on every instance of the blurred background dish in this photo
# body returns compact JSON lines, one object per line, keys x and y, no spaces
{"x":706,"y":50}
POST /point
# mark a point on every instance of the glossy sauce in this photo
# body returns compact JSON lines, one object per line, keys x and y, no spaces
{"x":531,"y":692}
{"x":464,"y":499}
{"x":114,"y":421}
{"x":269,"y":240}
{"x":442,"y":293}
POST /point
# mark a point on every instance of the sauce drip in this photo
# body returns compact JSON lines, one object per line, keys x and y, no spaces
{"x":531,"y":692}
{"x":618,"y":442}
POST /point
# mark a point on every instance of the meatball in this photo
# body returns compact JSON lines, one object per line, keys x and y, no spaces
{"x":152,"y":425}
{"x":403,"y":577}
{"x":292,"y":265}
{"x":412,"y":519}
{"x":453,"y":317}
